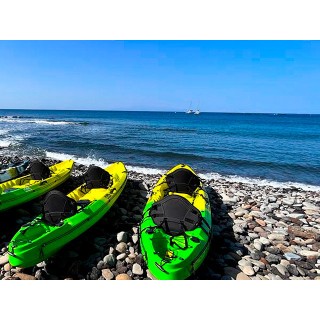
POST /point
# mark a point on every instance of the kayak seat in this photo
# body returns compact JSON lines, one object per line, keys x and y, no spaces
{"x":182,"y":181}
{"x":38,"y":170}
{"x":175,"y":215}
{"x":95,"y":177}
{"x":57,"y":206}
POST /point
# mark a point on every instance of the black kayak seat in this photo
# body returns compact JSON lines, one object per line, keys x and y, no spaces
{"x":57,"y":206}
{"x":182,"y":181}
{"x":39,"y":170}
{"x":175,"y":215}
{"x":96,"y":177}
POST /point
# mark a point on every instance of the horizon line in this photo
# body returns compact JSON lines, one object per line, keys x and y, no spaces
{"x":111,"y":110}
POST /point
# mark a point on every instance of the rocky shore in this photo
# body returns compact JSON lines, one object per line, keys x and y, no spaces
{"x":259,"y":233}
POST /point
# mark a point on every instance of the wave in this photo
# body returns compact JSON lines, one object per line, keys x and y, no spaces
{"x":5,"y":143}
{"x":3,"y":132}
{"x":206,"y":176}
{"x":85,"y":161}
{"x":258,"y":182}
{"x":38,"y":121}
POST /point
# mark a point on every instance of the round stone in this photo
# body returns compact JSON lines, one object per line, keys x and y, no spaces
{"x":135,"y":238}
{"x":7,"y":267}
{"x":4,"y":259}
{"x":122,"y":236}
{"x":110,"y":260}
{"x":123,"y":276}
{"x":121,"y":256}
{"x":121,"y":247}
{"x":248,"y":270}
{"x":258,"y":245}
{"x":272,"y":258}
{"x":244,"y":263}
{"x":107,"y":274}
{"x":136,"y":269}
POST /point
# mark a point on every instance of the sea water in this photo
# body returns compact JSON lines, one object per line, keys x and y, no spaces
{"x":258,"y":148}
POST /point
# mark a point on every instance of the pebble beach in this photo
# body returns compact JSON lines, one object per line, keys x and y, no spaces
{"x":260,"y":232}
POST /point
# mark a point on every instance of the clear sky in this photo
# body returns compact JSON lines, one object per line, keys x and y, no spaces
{"x":217,"y":76}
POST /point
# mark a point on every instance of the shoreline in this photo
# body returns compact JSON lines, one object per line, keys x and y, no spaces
{"x":259,"y":232}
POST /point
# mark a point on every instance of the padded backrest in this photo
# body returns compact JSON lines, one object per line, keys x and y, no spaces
{"x":57,"y":206}
{"x":39,"y":170}
{"x":175,"y":215}
{"x":183,"y":181}
{"x":96,"y":177}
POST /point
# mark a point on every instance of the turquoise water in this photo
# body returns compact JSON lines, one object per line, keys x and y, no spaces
{"x":277,"y":147}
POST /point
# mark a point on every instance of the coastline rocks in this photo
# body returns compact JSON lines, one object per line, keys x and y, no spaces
{"x":259,"y":233}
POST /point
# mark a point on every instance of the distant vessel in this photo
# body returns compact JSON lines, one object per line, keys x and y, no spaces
{"x":189,"y":111}
{"x":197,"y":111}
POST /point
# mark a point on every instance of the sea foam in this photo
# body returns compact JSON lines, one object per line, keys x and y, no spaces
{"x":206,"y":176}
{"x":37,"y":121}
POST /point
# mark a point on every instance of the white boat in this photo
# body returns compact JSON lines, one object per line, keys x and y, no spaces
{"x":197,"y":111}
{"x":189,"y":111}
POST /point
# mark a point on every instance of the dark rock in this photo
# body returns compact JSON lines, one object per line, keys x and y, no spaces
{"x":272,"y":258}
{"x":293,"y":269}
{"x":304,"y":265}
{"x":256,"y":255}
{"x":273,"y":250}
{"x":94,"y":274}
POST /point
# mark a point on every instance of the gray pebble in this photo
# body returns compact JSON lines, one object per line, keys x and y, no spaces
{"x":110,"y":260}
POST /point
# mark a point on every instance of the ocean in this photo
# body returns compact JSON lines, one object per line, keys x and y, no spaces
{"x":275,"y":149}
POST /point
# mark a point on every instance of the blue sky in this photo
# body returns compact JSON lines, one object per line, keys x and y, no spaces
{"x":217,"y":76}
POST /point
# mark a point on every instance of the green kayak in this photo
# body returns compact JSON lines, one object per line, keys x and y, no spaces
{"x":175,"y":231}
{"x":21,"y":190}
{"x":42,"y":238}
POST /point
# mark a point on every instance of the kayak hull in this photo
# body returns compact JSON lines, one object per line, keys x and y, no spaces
{"x":38,"y":241}
{"x":21,"y":190}
{"x":175,"y":258}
